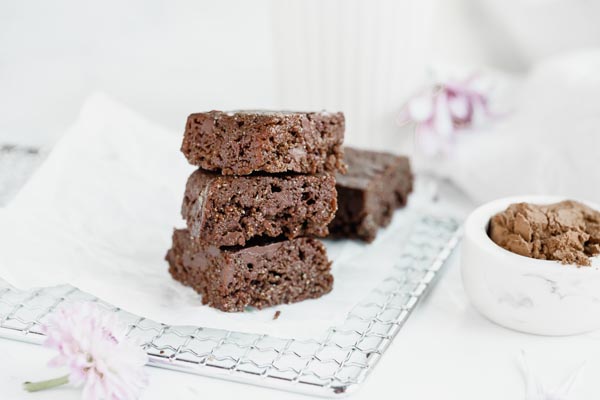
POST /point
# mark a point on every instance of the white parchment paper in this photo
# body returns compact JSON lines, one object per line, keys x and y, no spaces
{"x":99,"y":214}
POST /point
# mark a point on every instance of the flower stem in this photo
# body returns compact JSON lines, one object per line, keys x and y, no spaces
{"x":41,"y":385}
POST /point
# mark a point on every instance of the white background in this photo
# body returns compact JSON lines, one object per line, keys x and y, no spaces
{"x":167,"y":59}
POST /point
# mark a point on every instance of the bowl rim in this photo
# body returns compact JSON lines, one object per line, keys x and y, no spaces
{"x":476,"y":230}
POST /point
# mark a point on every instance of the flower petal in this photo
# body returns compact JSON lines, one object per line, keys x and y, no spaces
{"x":442,"y":119}
{"x":92,"y":345}
{"x":459,"y":107}
{"x":420,"y":108}
{"x":426,"y":139}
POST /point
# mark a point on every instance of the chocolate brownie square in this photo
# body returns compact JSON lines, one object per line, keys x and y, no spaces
{"x":231,"y":210}
{"x":263,"y":275}
{"x":242,"y":142}
{"x":375,"y":185}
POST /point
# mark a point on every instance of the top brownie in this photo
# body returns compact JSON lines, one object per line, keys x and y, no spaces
{"x":243,"y":142}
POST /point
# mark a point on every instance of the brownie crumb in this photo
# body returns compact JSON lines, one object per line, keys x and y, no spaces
{"x":277,"y":314}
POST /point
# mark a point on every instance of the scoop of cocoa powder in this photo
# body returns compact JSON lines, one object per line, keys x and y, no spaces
{"x":568,"y":231}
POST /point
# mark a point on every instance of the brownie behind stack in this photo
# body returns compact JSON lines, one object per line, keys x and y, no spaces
{"x":375,"y":185}
{"x":264,"y":190}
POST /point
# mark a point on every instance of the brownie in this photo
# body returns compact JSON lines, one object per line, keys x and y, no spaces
{"x":263,"y":275}
{"x":375,"y":185}
{"x":231,"y":210}
{"x":242,"y":142}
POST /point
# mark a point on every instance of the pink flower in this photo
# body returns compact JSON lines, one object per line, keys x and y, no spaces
{"x":92,"y":345}
{"x":444,"y":109}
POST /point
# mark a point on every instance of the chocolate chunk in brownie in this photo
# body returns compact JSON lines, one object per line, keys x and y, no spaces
{"x":375,"y":185}
{"x":259,"y":276}
{"x":242,"y":142}
{"x":230,"y":210}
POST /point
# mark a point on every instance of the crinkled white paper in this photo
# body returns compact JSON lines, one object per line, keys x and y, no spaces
{"x":99,"y":215}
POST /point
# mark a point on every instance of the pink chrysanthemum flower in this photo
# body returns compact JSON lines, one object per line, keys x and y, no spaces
{"x":92,"y":345}
{"x":444,"y":109}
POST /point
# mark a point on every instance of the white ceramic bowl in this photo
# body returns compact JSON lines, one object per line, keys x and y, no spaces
{"x":522,"y":293}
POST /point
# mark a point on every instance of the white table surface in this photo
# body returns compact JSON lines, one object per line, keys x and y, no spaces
{"x":445,"y":351}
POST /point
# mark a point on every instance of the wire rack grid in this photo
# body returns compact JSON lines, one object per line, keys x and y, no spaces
{"x":333,"y":365}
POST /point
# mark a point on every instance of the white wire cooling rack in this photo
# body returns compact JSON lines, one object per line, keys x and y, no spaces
{"x":331,"y":366}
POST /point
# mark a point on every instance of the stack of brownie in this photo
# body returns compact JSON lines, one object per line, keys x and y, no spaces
{"x":264,"y":190}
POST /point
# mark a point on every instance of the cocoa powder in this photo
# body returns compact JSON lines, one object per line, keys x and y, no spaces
{"x":567,"y":231}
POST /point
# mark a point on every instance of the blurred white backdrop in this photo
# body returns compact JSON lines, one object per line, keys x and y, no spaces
{"x":167,"y":59}
{"x":163,"y":59}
